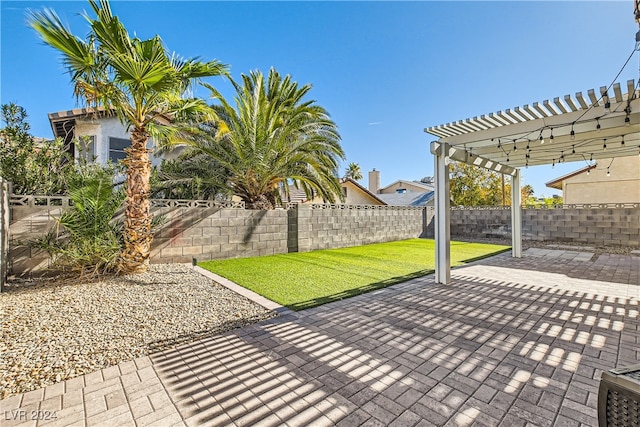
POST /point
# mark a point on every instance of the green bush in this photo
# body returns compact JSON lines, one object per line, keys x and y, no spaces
{"x":86,"y":238}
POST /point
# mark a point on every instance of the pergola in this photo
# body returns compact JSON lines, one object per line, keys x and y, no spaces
{"x":601,"y":125}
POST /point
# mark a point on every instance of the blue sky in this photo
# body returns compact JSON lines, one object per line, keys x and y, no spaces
{"x":383,"y":70}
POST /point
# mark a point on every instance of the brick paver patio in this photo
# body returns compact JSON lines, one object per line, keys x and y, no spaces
{"x":512,"y":342}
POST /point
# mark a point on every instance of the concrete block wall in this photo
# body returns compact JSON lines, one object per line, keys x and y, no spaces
{"x":215,"y":233}
{"x":594,"y":226}
{"x":337,"y":226}
{"x":469,"y":223}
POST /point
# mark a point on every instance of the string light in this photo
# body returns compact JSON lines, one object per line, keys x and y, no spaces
{"x":604,"y":144}
{"x":573,"y":132}
{"x":528,"y":145}
{"x":515,"y":147}
{"x":551,"y":136}
{"x":627,"y":119}
{"x":622,"y":142}
{"x":589,"y":171}
{"x":573,"y":149}
{"x":561,"y":157}
{"x":598,"y":127}
{"x":607,"y":104}
{"x":553,"y":165}
{"x":591,"y":159}
{"x":541,"y":137}
{"x":608,"y":167}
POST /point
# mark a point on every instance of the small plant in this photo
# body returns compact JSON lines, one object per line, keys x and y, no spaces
{"x":86,"y":238}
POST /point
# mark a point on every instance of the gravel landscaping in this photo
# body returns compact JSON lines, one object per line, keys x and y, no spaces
{"x":53,"y":331}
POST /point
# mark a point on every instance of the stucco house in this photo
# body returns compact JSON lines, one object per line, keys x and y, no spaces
{"x":106,"y":138}
{"x":402,"y":192}
{"x":609,"y":181}
{"x":354,"y":193}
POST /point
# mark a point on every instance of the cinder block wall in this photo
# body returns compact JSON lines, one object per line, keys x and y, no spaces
{"x":337,"y":226}
{"x":214,"y":233}
{"x":595,"y":226}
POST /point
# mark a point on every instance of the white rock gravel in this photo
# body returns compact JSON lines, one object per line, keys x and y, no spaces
{"x":53,"y":331}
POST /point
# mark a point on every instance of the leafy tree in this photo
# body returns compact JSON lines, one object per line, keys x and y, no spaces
{"x":353,"y":172}
{"x":190,"y":176}
{"x":474,"y":186}
{"x":270,"y":138}
{"x":42,"y":168}
{"x":144,"y":85}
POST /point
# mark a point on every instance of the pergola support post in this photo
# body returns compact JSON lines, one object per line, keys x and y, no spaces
{"x":440,"y":152}
{"x":516,"y":215}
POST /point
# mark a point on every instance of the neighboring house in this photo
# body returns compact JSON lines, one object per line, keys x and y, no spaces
{"x":403,"y":193}
{"x":355,"y":194}
{"x":106,"y":138}
{"x":409,"y":198}
{"x":609,"y":181}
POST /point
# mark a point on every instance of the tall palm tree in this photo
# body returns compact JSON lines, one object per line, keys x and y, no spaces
{"x":144,"y":85}
{"x":353,"y":172}
{"x":270,"y":138}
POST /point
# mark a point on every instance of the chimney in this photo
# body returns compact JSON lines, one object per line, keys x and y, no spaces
{"x":374,"y":181}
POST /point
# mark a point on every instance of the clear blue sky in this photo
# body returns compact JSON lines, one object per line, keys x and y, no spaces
{"x":384,"y":70}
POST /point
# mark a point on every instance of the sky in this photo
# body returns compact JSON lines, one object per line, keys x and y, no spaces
{"x":383,"y":70}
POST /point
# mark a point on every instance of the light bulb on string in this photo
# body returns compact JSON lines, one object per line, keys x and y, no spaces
{"x":515,"y":147}
{"x":591,"y":159}
{"x":573,"y":149}
{"x":561,"y":157}
{"x":553,"y":164}
{"x":573,"y":132}
{"x":528,"y":144}
{"x":541,"y":137}
{"x":604,"y":144}
{"x":608,"y":172}
{"x":607,"y":103}
{"x":622,"y":142}
{"x":551,"y":136}
{"x":588,"y":171}
{"x":598,"y":127}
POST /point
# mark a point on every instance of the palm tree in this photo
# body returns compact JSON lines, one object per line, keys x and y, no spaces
{"x":353,"y":172}
{"x":144,"y":86}
{"x":271,"y":138}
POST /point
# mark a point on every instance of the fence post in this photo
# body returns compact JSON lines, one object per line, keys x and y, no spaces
{"x":4,"y":231}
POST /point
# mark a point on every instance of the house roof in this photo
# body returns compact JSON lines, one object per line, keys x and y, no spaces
{"x":557,"y":183}
{"x":364,"y":189}
{"x":62,"y":122}
{"x":297,"y":195}
{"x":407,"y":199}
{"x":421,"y":184}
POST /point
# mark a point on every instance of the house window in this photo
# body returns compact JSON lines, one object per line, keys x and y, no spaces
{"x":116,"y":149}
{"x":401,"y":190}
{"x":86,"y":147}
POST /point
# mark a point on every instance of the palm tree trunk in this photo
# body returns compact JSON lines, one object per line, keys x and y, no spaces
{"x":137,"y":224}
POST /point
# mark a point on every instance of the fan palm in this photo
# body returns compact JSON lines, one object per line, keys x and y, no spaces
{"x":353,"y":172}
{"x":144,"y":86}
{"x":270,"y":138}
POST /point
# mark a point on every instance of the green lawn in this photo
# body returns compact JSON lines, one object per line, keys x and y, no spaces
{"x":303,"y":280}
